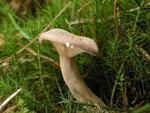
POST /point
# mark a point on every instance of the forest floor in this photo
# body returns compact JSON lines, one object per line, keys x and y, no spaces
{"x":120,"y":75}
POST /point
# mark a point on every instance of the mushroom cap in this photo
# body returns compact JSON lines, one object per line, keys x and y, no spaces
{"x":68,"y":44}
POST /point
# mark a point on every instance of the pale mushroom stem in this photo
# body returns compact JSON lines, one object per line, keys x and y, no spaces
{"x":76,"y":84}
{"x":69,"y":45}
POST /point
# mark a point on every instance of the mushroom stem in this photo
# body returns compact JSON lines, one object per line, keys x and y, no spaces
{"x":76,"y":84}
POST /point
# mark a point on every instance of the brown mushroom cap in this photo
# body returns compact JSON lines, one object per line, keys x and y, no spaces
{"x":69,"y":44}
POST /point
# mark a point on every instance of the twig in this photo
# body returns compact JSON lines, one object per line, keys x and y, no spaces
{"x":50,"y":60}
{"x":9,"y":98}
{"x":117,"y":17}
{"x":115,"y":8}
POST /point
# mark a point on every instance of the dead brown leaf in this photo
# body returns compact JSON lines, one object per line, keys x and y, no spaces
{"x":20,"y":6}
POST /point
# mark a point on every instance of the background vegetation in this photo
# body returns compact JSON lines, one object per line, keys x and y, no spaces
{"x":120,"y":75}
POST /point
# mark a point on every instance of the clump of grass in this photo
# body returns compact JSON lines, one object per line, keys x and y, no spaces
{"x":120,"y":75}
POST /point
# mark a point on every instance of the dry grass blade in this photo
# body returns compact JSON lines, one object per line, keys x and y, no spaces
{"x":31,"y":42}
{"x":9,"y":99}
{"x":56,"y":17}
{"x":84,"y":6}
{"x":1,"y":40}
{"x":10,"y":109}
{"x":5,"y":60}
{"x":48,"y":59}
{"x":146,"y":55}
{"x":137,"y":8}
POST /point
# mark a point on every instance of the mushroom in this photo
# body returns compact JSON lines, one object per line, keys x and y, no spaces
{"x":69,"y":45}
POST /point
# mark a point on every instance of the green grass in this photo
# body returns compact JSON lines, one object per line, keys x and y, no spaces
{"x":120,"y":75}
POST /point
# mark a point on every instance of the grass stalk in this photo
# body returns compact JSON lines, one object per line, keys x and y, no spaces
{"x":46,"y":28}
{"x":9,"y":99}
